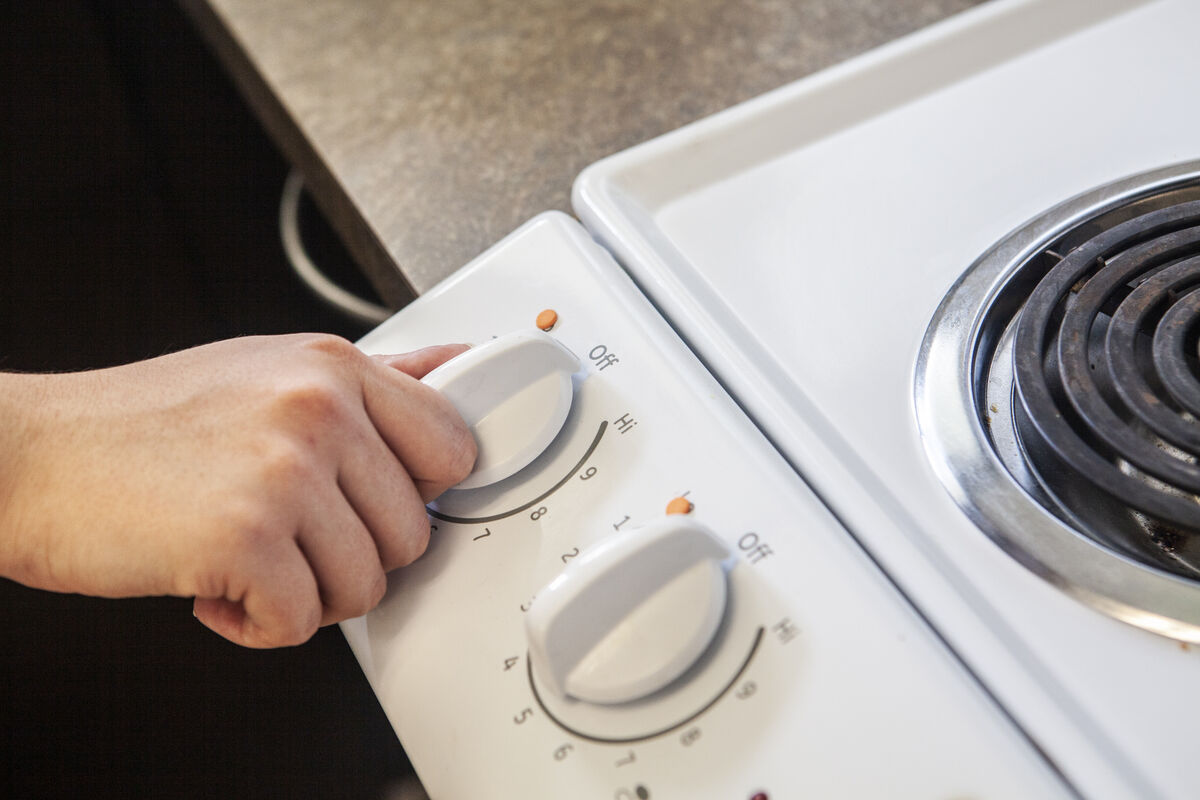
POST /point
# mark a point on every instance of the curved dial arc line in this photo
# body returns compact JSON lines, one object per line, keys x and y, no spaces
{"x":758,"y":636}
{"x":570,"y":474}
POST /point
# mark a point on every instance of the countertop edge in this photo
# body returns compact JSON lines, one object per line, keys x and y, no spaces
{"x":347,"y":220}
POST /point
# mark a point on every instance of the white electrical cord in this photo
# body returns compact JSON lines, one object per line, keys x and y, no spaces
{"x":289,"y":233}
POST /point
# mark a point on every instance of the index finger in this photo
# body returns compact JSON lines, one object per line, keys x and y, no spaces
{"x":420,"y":363}
{"x":420,"y":426}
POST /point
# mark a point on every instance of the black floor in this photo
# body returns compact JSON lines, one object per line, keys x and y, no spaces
{"x":139,"y":203}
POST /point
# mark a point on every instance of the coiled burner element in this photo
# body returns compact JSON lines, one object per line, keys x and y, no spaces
{"x":1057,"y":392}
{"x":1106,"y":372}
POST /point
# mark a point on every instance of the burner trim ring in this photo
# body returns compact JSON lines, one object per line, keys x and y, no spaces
{"x":949,"y":409}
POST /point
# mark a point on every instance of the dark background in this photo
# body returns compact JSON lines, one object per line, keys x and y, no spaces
{"x":139,"y":217}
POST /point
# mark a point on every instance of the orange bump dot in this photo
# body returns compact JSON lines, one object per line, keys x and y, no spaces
{"x":547,"y":318}
{"x":679,"y":505}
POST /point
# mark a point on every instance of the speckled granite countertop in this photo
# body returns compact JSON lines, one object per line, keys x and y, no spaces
{"x":429,"y":129}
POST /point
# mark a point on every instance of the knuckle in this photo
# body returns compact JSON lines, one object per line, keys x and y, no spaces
{"x":297,"y":629}
{"x":454,"y":459}
{"x":380,"y":590}
{"x":414,"y":542}
{"x":406,"y":542}
{"x":251,"y":527}
{"x":314,"y":400}
{"x":355,"y":602}
{"x":371,"y":596}
{"x":286,"y":464}
{"x":461,"y":453}
{"x":336,"y":347}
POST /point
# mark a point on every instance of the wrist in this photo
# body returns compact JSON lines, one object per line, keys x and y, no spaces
{"x":24,"y":413}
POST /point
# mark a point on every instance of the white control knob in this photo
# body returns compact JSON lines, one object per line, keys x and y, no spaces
{"x":514,"y":393}
{"x":631,"y":613}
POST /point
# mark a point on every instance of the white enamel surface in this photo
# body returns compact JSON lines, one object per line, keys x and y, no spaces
{"x":848,"y":204}
{"x":820,"y":680}
{"x":631,"y":613}
{"x":514,"y":393}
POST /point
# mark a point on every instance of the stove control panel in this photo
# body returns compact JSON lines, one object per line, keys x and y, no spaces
{"x":633,"y":596}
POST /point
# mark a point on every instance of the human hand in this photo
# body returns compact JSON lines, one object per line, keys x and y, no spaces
{"x":274,"y":479}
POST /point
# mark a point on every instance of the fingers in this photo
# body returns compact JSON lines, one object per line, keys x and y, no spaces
{"x":420,"y":363}
{"x":386,"y":500}
{"x":420,"y":426}
{"x":329,"y":571}
{"x":344,"y":559}
{"x":274,"y":602}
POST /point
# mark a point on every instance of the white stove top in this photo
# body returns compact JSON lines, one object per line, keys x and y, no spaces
{"x":801,"y":244}
{"x":820,"y":679}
